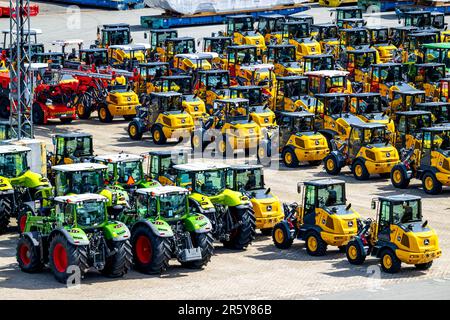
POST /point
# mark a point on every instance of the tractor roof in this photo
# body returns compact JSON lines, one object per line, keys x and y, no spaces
{"x":73,"y":135}
{"x":118,"y":157}
{"x":363,"y":50}
{"x":180,"y":39}
{"x":94,"y":50}
{"x":432,"y":104}
{"x":245,"y":88}
{"x":128,"y":47}
{"x":367,"y":125}
{"x":67,"y":42}
{"x":387,"y":64}
{"x":178,"y":76}
{"x":377,"y":28}
{"x":153,"y":64}
{"x":407,"y":28}
{"x":76,"y":198}
{"x":167,"y":94}
{"x":350,"y":30}
{"x":197,"y":56}
{"x":213,"y":71}
{"x":440,"y":45}
{"x":399,"y":198}
{"x":297,"y":114}
{"x":259,"y":66}
{"x":429,"y":64}
{"x":324,"y":182}
{"x":231,"y":100}
{"x":116,"y":25}
{"x":331,"y":95}
{"x":317,"y":56}
{"x":415,"y":13}
{"x":292,"y":78}
{"x":439,"y":128}
{"x":11,"y":148}
{"x":241,"y":47}
{"x":48,"y":54}
{"x":201,"y":166}
{"x":327,"y":73}
{"x":365,"y":94}
{"x":324,"y":25}
{"x":218,"y":38}
{"x":423,"y":34}
{"x":246,"y":166}
{"x":412,"y":113}
{"x":161,"y":190}
{"x":280,"y":46}
{"x":84,"y":166}
{"x":409,"y":92}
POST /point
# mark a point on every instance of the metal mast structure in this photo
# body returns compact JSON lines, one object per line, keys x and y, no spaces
{"x":20,"y":72}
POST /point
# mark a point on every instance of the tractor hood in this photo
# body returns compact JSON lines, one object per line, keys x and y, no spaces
{"x":309,"y":140}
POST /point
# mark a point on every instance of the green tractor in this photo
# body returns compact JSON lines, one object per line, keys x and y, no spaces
{"x":76,"y":233}
{"x":230,"y":212}
{"x":20,"y":188}
{"x":163,"y":227}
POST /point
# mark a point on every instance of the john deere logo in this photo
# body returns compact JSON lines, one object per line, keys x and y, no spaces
{"x":317,"y":142}
{"x":250,"y":130}
{"x":196,"y":108}
{"x":350,"y":223}
{"x":129,"y":98}
{"x":183,"y":120}
{"x":388,"y":154}
{"x":266,"y":120}
{"x":269,"y":208}
{"x":426,"y":242}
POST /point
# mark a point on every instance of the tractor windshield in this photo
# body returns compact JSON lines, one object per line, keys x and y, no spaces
{"x":358,"y":38}
{"x":331,"y":195}
{"x":441,"y":142}
{"x":210,"y":182}
{"x":218,"y":81}
{"x":319,"y":63}
{"x":172,"y":103}
{"x":389,"y":74}
{"x":375,"y":136}
{"x":76,"y":147}
{"x":244,"y":24}
{"x":172,"y":205}
{"x":236,"y":111}
{"x":217,"y":45}
{"x":129,"y":172}
{"x":364,"y":60}
{"x":303,"y":124}
{"x":251,"y":179}
{"x":185,"y":46}
{"x":253,"y":95}
{"x":334,"y":82}
{"x":181,"y":85}
{"x":298,"y":31}
{"x":369,"y":104}
{"x":295,"y":89}
{"x":241,"y":57}
{"x":430,"y":74}
{"x":13,"y":165}
{"x":406,"y":212}
{"x":79,"y":182}
{"x":381,"y":36}
{"x":283,"y":54}
{"x":336,"y":105}
{"x":116,"y":37}
{"x":90,"y":213}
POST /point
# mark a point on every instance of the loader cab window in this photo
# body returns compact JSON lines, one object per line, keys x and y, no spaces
{"x":142,"y":204}
{"x":66,"y":209}
{"x":129,"y":172}
{"x":385,"y":220}
{"x":303,"y":124}
{"x":13,"y":164}
{"x":441,"y":142}
{"x":331,"y":196}
{"x":172,"y":205}
{"x":250,"y":179}
{"x":310,"y":199}
{"x":90,"y":213}
{"x":406,"y":212}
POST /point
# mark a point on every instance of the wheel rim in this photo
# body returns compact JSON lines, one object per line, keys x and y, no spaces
{"x":330,"y":164}
{"x":102,"y":113}
{"x":312,"y":244}
{"x":156,"y":135}
{"x":133,"y":130}
{"x":144,"y":249}
{"x":288,"y":158}
{"x":24,"y":254}
{"x":80,"y":109}
{"x":358,"y":170}
{"x":60,"y":257}
{"x":387,"y":261}
{"x":22,"y":223}
{"x":279,"y":236}
{"x":397,"y":176}
{"x":429,"y":183}
{"x":352,"y":252}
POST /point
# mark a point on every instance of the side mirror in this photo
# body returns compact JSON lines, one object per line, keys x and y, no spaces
{"x":373,"y":205}
{"x":299,"y":188}
{"x":268,"y":191}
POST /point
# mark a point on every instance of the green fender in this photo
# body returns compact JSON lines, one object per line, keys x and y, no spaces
{"x":30,"y":180}
{"x":5,"y":185}
{"x":203,"y":201}
{"x":116,"y":231}
{"x":230,"y":198}
{"x":75,"y":236}
{"x":159,"y":227}
{"x":197,"y":223}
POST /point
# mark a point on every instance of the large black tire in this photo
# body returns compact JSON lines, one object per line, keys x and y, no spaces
{"x":143,"y":240}
{"x":431,"y":184}
{"x":6,"y":206}
{"x":424,"y":266}
{"x":389,"y":255}
{"x":245,"y":233}
{"x":28,"y":256}
{"x":103,"y":114}
{"x":355,"y":253}
{"x":205,"y":242}
{"x":289,"y":158}
{"x":399,"y":177}
{"x":158,"y":135}
{"x":359,"y":170}
{"x":38,"y":114}
{"x":83,"y":111}
{"x":281,"y":237}
{"x":4,"y":107}
{"x":320,"y":249}
{"x":118,"y":264}
{"x":63,"y":254}
{"x":134,"y":131}
{"x":331,"y":165}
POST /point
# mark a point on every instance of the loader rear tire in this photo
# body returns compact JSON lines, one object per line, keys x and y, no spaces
{"x":399,"y":177}
{"x":205,"y":242}
{"x":289,"y":158}
{"x":104,"y":115}
{"x":118,"y":264}
{"x":389,"y":261}
{"x":281,"y":237}
{"x":355,"y":253}
{"x":28,"y":256}
{"x":315,"y":246}
{"x":243,"y":235}
{"x":134,"y":131}
{"x":431,"y":184}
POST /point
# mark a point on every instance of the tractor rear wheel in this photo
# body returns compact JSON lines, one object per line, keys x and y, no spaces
{"x":331,"y":165}
{"x":243,"y":235}
{"x":315,"y":246}
{"x":389,"y":261}
{"x":83,"y":111}
{"x":359,"y":170}
{"x":289,"y":158}
{"x":158,"y":135}
{"x":205,"y":242}
{"x":63,"y":254}
{"x":119,"y":263}
{"x":134,"y":131}
{"x":4,"y":107}
{"x":281,"y":236}
{"x":431,"y":184}
{"x":355,"y":253}
{"x":151,"y":254}
{"x":103,"y":114}
{"x":399,"y":177}
{"x":38,"y":114}
{"x":424,"y":266}
{"x":28,"y":256}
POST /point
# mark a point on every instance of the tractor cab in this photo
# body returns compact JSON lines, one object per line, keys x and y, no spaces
{"x":299,"y":34}
{"x":399,"y":35}
{"x":78,"y":178}
{"x":161,"y":163}
{"x":387,"y":77}
{"x":128,"y":56}
{"x":149,"y":77}
{"x":328,"y":36}
{"x":355,"y":38}
{"x":174,"y":46}
{"x":353,"y":23}
{"x":302,"y":18}
{"x":192,"y":62}
{"x":444,"y":90}
{"x":90,"y":57}
{"x":157,"y":40}
{"x":71,"y":148}
{"x":412,"y":50}
{"x":379,"y":39}
{"x":113,"y":34}
{"x":440,"y":111}
{"x":292,"y":94}
{"x":242,"y":29}
{"x":219,"y":45}
{"x":370,"y":107}
{"x":164,"y":116}
{"x":399,"y":224}
{"x":437,"y":53}
{"x":318,"y":62}
{"x":405,"y":100}
{"x":358,"y":63}
{"x":270,"y":26}
{"x":55,"y":60}
{"x":76,"y":44}
{"x":183,"y":84}
{"x":211,"y":85}
{"x":283,"y":57}
{"x":438,"y":20}
{"x":427,"y":76}
{"x":420,"y":19}
{"x":409,"y":125}
{"x":344,"y":13}
{"x":34,"y":48}
{"x":324,"y":81}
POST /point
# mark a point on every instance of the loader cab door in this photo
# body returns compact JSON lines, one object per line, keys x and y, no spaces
{"x":154,"y":167}
{"x":384,"y":222}
{"x":285,"y":129}
{"x":310,"y":204}
{"x":354,"y":142}
{"x":427,"y":143}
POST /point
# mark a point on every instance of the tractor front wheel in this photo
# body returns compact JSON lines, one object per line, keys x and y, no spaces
{"x":28,"y":256}
{"x":134,"y":131}
{"x":331,"y":165}
{"x":281,"y":236}
{"x":315,"y":246}
{"x":104,"y":115}
{"x":243,"y":235}
{"x":83,"y":111}
{"x":205,"y":242}
{"x":289,"y":158}
{"x":151,"y":253}
{"x":63,"y":254}
{"x":355,"y":253}
{"x":158,"y":135}
{"x":359,"y":170}
{"x":399,"y":177}
{"x":119,"y":263}
{"x":431,"y":184}
{"x":389,"y":261}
